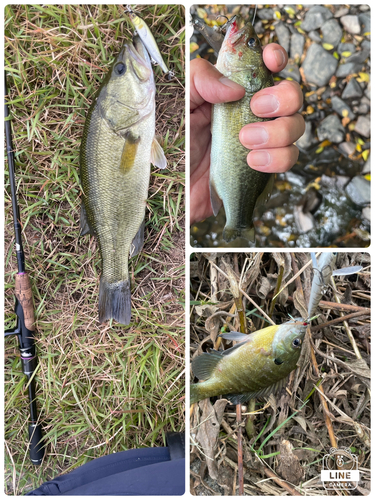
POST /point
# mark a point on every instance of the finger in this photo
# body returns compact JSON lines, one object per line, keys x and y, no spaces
{"x":275,"y":57}
{"x":275,"y":160}
{"x":283,"y":99}
{"x":277,"y":133}
{"x":208,"y":84}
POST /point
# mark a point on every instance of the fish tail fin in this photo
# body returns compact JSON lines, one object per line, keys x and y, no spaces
{"x":231,"y":233}
{"x":115,"y":301}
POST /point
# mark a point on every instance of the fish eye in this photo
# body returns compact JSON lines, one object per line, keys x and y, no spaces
{"x":120,"y":68}
{"x":296,"y":342}
{"x":251,"y":42}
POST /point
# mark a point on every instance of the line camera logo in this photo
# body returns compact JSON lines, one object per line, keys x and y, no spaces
{"x":340,"y":470}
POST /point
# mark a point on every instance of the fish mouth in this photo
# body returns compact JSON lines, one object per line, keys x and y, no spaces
{"x":135,"y":54}
{"x":235,"y":35}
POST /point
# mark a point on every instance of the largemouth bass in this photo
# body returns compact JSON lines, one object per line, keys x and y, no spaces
{"x":117,"y":148}
{"x":232,"y":182}
{"x":258,"y":366}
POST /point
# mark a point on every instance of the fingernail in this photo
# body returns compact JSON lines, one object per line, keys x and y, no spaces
{"x":254,"y":136}
{"x":259,"y":159}
{"x":266,"y":104}
{"x":230,"y":83}
{"x":279,"y":57}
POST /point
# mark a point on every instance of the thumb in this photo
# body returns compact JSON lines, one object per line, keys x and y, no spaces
{"x":208,"y":84}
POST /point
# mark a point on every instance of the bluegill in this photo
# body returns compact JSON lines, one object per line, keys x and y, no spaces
{"x":117,"y":147}
{"x":257,"y":366}
{"x":232,"y":182}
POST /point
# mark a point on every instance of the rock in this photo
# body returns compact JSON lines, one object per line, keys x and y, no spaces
{"x":315,"y":18}
{"x":359,"y":191}
{"x":304,"y":221}
{"x":340,"y":107}
{"x":283,"y":35}
{"x":362,"y":109}
{"x":352,"y":90}
{"x":258,"y":26}
{"x":342,"y":11}
{"x":347,"y":69}
{"x":265,"y":14}
{"x":337,"y":181}
{"x":307,"y":139}
{"x":351,"y":24}
{"x":366,"y":45}
{"x":366,"y":213}
{"x":367,"y":166}
{"x":297,"y":44}
{"x":359,"y":57}
{"x":368,"y":90}
{"x":314,"y":36}
{"x":319,"y":65}
{"x":365,"y":23}
{"x":331,"y":128}
{"x":332,"y":32}
{"x":363,"y":126}
{"x":291,"y":70}
{"x":346,"y":47}
{"x":347,"y":148}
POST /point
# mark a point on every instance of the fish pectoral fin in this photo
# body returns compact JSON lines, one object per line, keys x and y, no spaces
{"x":157,"y":155}
{"x":84,"y":223}
{"x":138,"y":241}
{"x":129,"y":151}
{"x":204,"y":365}
{"x":266,"y":193}
{"x":216,"y":202}
{"x":235,"y":336}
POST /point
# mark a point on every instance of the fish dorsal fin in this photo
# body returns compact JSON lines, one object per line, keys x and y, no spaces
{"x":235,"y":336}
{"x":84,"y":222}
{"x":138,"y":241}
{"x":157,"y":155}
{"x":266,"y":391}
{"x":204,"y":365}
{"x":216,"y":202}
{"x":347,"y":270}
{"x":266,"y":193}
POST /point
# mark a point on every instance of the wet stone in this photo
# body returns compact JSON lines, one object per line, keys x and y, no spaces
{"x":331,"y":128}
{"x":283,"y":35}
{"x":332,"y":32}
{"x":366,"y":213}
{"x":367,"y":166}
{"x":363,"y":126}
{"x":346,"y":47}
{"x":351,"y":24}
{"x":314,"y":36}
{"x":319,"y":65}
{"x":368,"y":90}
{"x":359,"y":191}
{"x":258,"y":26}
{"x":297,"y":44}
{"x":366,"y":45}
{"x":291,"y":70}
{"x":316,"y":17}
{"x":347,"y":69}
{"x":340,"y":107}
{"x":359,"y":57}
{"x":352,"y":90}
{"x":347,"y":148}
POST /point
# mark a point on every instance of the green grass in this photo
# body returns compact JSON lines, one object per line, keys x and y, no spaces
{"x":100,"y":388}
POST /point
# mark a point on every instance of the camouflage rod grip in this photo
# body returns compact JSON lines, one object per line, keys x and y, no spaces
{"x":25,"y":298}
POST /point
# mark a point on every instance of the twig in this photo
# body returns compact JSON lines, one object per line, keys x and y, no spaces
{"x":341,"y":319}
{"x":282,"y":483}
{"x":324,"y":304}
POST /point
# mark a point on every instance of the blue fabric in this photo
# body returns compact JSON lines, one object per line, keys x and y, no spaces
{"x":147,"y":471}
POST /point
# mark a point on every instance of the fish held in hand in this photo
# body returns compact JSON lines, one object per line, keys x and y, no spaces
{"x":232,"y":182}
{"x":117,"y":147}
{"x":258,"y":366}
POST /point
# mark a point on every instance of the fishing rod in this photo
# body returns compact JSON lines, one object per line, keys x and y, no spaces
{"x":24,"y":307}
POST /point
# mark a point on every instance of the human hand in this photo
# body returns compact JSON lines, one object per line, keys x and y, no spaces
{"x":271,"y":142}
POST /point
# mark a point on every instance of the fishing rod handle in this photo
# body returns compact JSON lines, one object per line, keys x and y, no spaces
{"x":36,"y":449}
{"x":24,"y":295}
